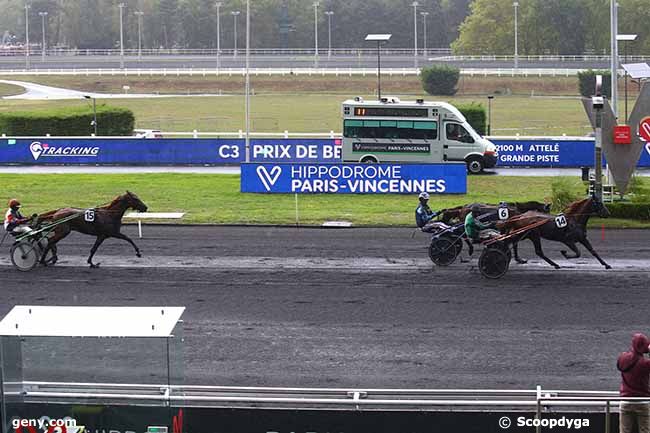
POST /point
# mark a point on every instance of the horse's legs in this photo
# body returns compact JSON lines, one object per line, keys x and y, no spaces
{"x":515,"y":249}
{"x":60,"y":232}
{"x":93,"y":250}
{"x":573,"y":247}
{"x":534,"y":238}
{"x":128,"y":239}
{"x":584,"y":241}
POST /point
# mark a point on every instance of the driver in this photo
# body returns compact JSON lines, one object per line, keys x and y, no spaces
{"x":423,"y":214}
{"x":15,"y":222}
{"x":474,"y":229}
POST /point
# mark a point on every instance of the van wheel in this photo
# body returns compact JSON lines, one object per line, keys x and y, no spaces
{"x":369,"y":160}
{"x":475,"y":164}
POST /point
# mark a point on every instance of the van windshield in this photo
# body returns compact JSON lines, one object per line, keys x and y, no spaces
{"x":457,"y":132}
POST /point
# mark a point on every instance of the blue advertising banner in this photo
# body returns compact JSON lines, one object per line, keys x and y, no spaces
{"x":295,"y":150}
{"x":137,"y":151}
{"x":572,"y":152}
{"x":164,"y":151}
{"x":545,"y":153}
{"x":354,"y":178}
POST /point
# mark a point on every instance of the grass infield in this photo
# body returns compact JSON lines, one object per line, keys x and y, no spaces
{"x":215,"y":199}
{"x":523,"y":105}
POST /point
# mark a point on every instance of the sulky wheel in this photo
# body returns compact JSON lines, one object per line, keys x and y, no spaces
{"x":24,"y":256}
{"x":443,"y":251}
{"x":494,"y":262}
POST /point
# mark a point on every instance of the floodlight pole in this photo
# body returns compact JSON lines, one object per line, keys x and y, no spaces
{"x":516,"y":6}
{"x":489,"y":126}
{"x":415,"y":32}
{"x":248,"y":80}
{"x":598,"y":105}
{"x":139,"y":14}
{"x":218,"y":6}
{"x":27,"y":7}
{"x":614,"y":55}
{"x":43,"y":15}
{"x":121,"y":6}
{"x":379,"y":70}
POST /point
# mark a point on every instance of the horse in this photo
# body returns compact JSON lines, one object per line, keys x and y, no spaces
{"x":568,"y":228}
{"x":103,"y":222}
{"x":459,"y":213}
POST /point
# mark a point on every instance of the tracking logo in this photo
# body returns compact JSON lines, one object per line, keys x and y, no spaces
{"x":269,"y":177}
{"x":41,"y":150}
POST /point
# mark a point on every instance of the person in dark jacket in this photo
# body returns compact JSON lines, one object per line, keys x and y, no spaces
{"x":635,"y":378}
{"x":423,"y":214}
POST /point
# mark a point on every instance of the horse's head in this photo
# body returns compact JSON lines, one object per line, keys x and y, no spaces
{"x":598,"y":208}
{"x":134,"y":202}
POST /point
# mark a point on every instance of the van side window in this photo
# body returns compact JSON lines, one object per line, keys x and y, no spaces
{"x":391,"y":129}
{"x":457,"y":132}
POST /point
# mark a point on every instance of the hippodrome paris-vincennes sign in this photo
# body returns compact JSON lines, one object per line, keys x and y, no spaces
{"x":354,"y":178}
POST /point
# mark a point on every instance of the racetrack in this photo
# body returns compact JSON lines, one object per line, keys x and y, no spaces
{"x":354,"y":308}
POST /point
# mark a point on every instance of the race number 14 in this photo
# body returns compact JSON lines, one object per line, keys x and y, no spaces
{"x":560,"y":221}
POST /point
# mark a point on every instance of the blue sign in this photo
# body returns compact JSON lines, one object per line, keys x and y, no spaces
{"x":295,"y":150}
{"x":142,"y":151}
{"x":354,"y":178}
{"x":545,"y":153}
{"x":572,"y":152}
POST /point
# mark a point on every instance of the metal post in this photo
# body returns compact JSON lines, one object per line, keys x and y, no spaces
{"x":489,"y":126}
{"x":415,"y":33}
{"x":625,"y":120}
{"x":248,"y":83}
{"x":329,"y":33}
{"x":516,"y":5}
{"x":424,"y":25}
{"x":607,"y":417}
{"x":235,"y":14}
{"x":598,"y":151}
{"x":43,"y":15}
{"x":27,"y":65}
{"x":218,"y":6}
{"x":95,"y":115}
{"x":121,"y":6}
{"x":614,"y":56}
{"x":379,"y":70}
{"x":538,"y":429}
{"x":139,"y":15}
{"x":316,"y":34}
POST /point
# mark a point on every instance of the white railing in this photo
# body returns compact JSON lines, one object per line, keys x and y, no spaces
{"x":444,"y":54}
{"x":472,"y":72}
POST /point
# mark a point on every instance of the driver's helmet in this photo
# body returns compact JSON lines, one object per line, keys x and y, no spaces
{"x":424,"y":196}
{"x":14,"y":204}
{"x":475,"y":209}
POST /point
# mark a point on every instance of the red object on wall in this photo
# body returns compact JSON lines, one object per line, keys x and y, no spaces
{"x":644,"y":129}
{"x":622,"y":134}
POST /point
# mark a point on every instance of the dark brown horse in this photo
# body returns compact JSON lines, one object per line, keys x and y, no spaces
{"x":103,"y":222}
{"x":459,"y":213}
{"x":568,"y":228}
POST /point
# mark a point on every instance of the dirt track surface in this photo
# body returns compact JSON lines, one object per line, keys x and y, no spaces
{"x":347,"y":308}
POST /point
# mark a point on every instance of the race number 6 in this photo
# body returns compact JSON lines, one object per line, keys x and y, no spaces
{"x":503,"y":213}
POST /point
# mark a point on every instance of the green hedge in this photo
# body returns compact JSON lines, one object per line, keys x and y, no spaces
{"x":440,"y":80}
{"x":74,"y":121}
{"x":635,"y":211}
{"x":587,"y":83}
{"x":476,"y":116}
